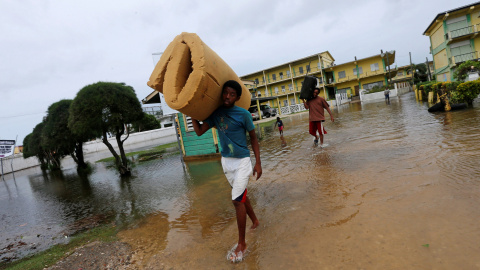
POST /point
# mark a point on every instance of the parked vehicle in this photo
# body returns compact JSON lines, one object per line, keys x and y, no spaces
{"x":268,"y":111}
{"x":254,"y":112}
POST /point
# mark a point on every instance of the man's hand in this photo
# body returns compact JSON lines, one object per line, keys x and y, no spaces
{"x":199,"y":128}
{"x":331,"y":118}
{"x":256,"y":151}
{"x":257,"y":170}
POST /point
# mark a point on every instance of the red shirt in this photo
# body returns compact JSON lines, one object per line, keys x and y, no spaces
{"x":316,"y":108}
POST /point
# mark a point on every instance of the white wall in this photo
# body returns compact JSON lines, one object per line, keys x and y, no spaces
{"x":134,"y":141}
{"x":381,"y":96}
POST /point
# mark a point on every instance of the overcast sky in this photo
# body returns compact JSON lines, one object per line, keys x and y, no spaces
{"x":49,"y":50}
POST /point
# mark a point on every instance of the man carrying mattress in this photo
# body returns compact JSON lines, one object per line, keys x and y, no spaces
{"x":233,"y":123}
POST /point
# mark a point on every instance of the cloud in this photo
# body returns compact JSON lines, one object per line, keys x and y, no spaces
{"x":51,"y":49}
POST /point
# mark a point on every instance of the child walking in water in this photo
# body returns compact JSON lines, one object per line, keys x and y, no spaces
{"x":279,"y":123}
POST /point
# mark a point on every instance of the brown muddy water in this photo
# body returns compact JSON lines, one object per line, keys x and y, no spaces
{"x":396,"y":188}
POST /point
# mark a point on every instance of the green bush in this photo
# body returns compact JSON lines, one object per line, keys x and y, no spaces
{"x":461,"y":72}
{"x":466,"y":92}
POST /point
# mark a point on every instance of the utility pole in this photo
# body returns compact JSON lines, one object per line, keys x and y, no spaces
{"x":413,"y":70}
{"x":388,"y":63}
{"x":428,"y":70}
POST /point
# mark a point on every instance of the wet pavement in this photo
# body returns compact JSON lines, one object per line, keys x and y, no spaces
{"x":396,"y":187}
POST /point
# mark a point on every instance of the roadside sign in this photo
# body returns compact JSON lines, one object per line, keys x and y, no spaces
{"x":7,"y":148}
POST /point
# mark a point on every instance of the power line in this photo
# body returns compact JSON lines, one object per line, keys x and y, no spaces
{"x":13,"y":116}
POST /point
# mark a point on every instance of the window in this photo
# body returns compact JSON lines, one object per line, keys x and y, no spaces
{"x":285,"y":103}
{"x":274,"y":77}
{"x":343,"y":90}
{"x":369,"y":86}
{"x":318,"y":66}
{"x":300,"y":70}
{"x":341,"y":74}
{"x":320,"y":80}
{"x":374,"y":67}
{"x":292,"y":101}
{"x":462,"y":51}
{"x":458,"y":27}
{"x":288,"y":73}
{"x":281,"y":75}
{"x":259,"y":94}
{"x":276,"y":90}
{"x":400,"y":74}
{"x":256,"y":81}
{"x":360,"y":71}
{"x":308,"y":68}
{"x":290,"y":87}
{"x":283,"y":88}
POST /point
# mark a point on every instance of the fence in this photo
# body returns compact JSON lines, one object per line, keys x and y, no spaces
{"x":380,"y":95}
{"x":341,"y":98}
{"x":292,"y":109}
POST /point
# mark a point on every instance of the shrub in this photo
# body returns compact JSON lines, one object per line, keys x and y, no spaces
{"x":466,"y":92}
{"x":461,"y":72}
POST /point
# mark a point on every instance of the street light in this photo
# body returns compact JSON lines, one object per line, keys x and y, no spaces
{"x":153,"y":59}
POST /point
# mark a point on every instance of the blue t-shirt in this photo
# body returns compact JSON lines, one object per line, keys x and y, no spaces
{"x":232,"y":125}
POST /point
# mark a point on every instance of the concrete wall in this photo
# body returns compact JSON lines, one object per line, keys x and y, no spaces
{"x":381,"y":96}
{"x":134,"y":141}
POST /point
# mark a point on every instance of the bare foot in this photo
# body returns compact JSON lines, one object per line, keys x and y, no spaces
{"x":255,"y":225}
{"x":239,"y":253}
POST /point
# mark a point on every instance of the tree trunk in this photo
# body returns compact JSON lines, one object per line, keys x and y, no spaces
{"x":74,"y":158}
{"x":79,"y":154}
{"x":123,"y":170}
{"x":43,"y":163}
{"x":118,"y":136}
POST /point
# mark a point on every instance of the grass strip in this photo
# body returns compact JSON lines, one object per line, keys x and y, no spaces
{"x":104,"y":233}
{"x":156,"y":150}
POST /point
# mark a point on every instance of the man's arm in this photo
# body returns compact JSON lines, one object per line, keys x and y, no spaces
{"x":305,"y":104}
{"x":200,"y":128}
{"x":329,"y":112}
{"x":256,"y":151}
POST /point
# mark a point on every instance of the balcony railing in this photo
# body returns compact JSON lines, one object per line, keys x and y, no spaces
{"x":464,"y":31}
{"x":347,"y":78}
{"x":371,"y":73}
{"x":464,"y":57}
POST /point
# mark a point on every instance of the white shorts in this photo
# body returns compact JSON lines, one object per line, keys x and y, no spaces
{"x":237,"y":171}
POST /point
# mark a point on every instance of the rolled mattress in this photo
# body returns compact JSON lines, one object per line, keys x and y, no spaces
{"x":191,"y":75}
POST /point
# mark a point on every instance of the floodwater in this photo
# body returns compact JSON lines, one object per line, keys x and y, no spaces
{"x":396,"y":188}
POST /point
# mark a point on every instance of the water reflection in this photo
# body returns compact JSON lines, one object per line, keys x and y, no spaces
{"x":394,"y":177}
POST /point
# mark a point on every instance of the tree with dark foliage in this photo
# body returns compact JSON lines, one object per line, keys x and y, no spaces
{"x":106,"y":108}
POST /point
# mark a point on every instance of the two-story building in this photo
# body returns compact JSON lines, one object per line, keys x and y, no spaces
{"x":366,"y":73}
{"x":454,"y":39}
{"x":283,"y":83}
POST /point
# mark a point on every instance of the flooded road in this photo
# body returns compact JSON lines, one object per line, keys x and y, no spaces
{"x":396,"y":187}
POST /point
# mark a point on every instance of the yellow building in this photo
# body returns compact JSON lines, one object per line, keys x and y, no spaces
{"x":284,"y":82}
{"x":454,"y":39}
{"x":366,"y":73}
{"x":280,"y":85}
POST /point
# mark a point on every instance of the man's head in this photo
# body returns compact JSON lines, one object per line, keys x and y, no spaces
{"x":316,"y":91}
{"x":231,"y":92}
